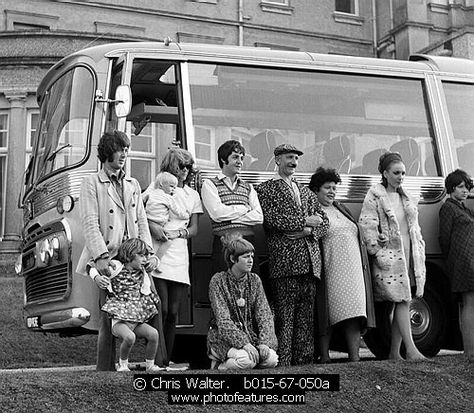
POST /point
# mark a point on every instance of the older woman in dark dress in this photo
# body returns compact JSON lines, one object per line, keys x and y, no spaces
{"x":345,"y":274}
{"x":456,"y":238}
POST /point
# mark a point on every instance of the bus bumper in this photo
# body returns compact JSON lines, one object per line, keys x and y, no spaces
{"x":59,"y":320}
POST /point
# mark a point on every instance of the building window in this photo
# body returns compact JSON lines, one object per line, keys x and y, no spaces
{"x":23,"y":20}
{"x":184,"y":37}
{"x":31,"y":126}
{"x":141,"y":160}
{"x":3,"y":163}
{"x":276,"y":46}
{"x":276,"y":6}
{"x":347,"y":11}
{"x":347,"y":6}
{"x":439,"y":6}
{"x":28,"y":27}
{"x":205,"y":146}
{"x":3,"y":131}
{"x":124,"y":29}
{"x":147,"y":150}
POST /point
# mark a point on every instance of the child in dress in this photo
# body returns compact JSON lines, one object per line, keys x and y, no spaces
{"x":131,"y":302}
{"x":158,"y":199}
{"x":242,"y":333}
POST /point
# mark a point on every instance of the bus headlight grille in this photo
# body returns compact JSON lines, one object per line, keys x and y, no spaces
{"x":47,"y":284}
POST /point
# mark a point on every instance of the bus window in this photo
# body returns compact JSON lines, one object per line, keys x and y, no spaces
{"x":460,"y":101}
{"x":153,"y":121}
{"x":63,"y":131}
{"x":339,"y":120}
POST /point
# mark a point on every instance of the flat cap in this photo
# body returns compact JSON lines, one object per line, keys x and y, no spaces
{"x":286,"y":148}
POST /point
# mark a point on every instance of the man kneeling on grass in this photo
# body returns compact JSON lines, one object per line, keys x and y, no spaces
{"x":242,"y":333}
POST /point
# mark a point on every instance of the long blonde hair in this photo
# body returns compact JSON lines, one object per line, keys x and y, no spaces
{"x":174,"y":159}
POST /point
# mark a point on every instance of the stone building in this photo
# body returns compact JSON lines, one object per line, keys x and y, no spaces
{"x":34,"y":34}
{"x":438,"y":27}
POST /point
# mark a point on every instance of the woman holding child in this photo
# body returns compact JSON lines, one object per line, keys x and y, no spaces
{"x":171,"y":239}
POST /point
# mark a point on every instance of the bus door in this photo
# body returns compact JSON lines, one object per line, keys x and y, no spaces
{"x":154,"y":122}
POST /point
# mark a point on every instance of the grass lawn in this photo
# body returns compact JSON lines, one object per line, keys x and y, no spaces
{"x":443,"y":384}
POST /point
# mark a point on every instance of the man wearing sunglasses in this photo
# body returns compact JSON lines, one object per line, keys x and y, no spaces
{"x":232,"y":203}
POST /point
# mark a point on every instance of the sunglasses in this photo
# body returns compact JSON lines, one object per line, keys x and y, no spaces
{"x":189,"y":167}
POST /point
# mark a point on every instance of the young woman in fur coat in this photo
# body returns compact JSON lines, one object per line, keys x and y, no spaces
{"x":389,"y":221}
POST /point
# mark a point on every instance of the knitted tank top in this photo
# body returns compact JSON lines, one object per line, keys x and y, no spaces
{"x":239,"y":196}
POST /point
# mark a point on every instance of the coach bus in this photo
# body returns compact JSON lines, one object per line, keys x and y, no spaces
{"x":341,"y":111}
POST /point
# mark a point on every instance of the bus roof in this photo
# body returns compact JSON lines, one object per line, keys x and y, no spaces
{"x":258,"y":55}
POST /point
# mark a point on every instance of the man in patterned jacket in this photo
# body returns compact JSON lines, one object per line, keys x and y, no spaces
{"x":293,"y":223}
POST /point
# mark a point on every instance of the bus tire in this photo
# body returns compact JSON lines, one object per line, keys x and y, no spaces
{"x":428,"y":319}
{"x":429,"y":322}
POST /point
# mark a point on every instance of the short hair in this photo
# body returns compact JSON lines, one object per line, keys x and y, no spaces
{"x":111,"y":142}
{"x":226,"y":149}
{"x":456,"y":178}
{"x":164,"y":178}
{"x":321,"y":176}
{"x":174,"y":159}
{"x":234,"y":245}
{"x":130,"y":248}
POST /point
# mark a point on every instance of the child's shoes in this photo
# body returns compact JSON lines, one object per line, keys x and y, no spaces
{"x":177,"y":366}
{"x":154,"y":369}
{"x":123,"y":368}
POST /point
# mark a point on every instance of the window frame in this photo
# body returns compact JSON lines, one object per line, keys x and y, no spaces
{"x":356,"y":8}
{"x":273,"y":6}
{"x":142,"y":155}
{"x":212,"y":144}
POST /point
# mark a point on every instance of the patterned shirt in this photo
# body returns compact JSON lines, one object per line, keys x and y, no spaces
{"x":234,"y":326}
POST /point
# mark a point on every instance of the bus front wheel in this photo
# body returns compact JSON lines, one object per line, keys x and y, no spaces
{"x":428,"y":320}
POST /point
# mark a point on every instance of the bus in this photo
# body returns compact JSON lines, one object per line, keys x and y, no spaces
{"x":342,"y":111}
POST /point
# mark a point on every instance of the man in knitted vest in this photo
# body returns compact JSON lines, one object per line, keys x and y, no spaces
{"x":232,"y":203}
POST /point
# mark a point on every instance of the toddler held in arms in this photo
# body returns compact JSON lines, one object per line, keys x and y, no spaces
{"x":159,"y":202}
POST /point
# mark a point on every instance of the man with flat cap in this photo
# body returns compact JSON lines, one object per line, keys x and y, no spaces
{"x":293,"y":221}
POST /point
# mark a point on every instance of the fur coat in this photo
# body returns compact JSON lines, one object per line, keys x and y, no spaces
{"x":381,"y":232}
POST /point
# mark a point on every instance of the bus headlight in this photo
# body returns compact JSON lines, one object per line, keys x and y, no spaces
{"x":55,"y":248}
{"x":65,"y":204}
{"x":19,"y":265}
{"x":49,"y":250}
{"x":45,"y":251}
